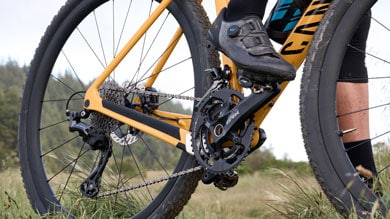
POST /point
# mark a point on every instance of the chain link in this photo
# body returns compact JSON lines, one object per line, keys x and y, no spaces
{"x":150,"y":182}
{"x":160,"y":94}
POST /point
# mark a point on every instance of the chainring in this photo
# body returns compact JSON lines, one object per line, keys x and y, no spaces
{"x":223,"y":155}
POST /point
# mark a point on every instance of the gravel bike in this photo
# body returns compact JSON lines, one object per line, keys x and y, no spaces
{"x":126,"y":108}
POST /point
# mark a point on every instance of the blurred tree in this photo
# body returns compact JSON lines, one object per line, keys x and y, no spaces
{"x":11,"y":82}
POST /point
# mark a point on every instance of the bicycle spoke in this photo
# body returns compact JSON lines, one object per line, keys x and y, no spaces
{"x":51,"y":125}
{"x":53,"y":148}
{"x":138,"y":167}
{"x":100,"y":39}
{"x":91,"y":48}
{"x":71,"y":173}
{"x":73,"y":69}
{"x":116,"y":45}
{"x":74,"y":161}
{"x":155,"y":156}
{"x":362,"y":110}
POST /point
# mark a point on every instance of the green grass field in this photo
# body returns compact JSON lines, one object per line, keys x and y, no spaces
{"x":264,"y":194}
{"x":270,"y":193}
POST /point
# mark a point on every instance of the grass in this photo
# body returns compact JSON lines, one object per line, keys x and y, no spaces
{"x":266,"y":194}
{"x":13,"y":199}
{"x":253,"y":197}
{"x":305,"y":200}
{"x":270,"y":193}
{"x":249,"y":199}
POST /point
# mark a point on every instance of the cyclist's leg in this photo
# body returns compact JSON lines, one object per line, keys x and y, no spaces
{"x":236,"y":10}
{"x":352,"y":95}
{"x":239,"y":33}
{"x":320,"y":113}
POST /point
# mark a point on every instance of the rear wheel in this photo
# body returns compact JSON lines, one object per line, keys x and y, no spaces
{"x":76,"y":48}
{"x":320,"y":117}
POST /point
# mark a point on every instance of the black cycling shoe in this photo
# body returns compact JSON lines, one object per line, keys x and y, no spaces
{"x":247,"y":43}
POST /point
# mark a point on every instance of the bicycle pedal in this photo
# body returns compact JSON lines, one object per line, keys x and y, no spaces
{"x":208,"y":177}
{"x":226,"y":180}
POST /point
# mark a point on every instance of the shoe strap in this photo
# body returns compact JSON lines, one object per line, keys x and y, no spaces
{"x":253,"y":36}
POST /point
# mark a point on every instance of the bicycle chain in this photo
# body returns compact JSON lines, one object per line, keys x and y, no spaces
{"x":131,"y":89}
{"x":165,"y":178}
{"x":150,"y":182}
{"x":160,"y":94}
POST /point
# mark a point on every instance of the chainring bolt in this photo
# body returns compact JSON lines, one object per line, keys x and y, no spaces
{"x":218,"y":130}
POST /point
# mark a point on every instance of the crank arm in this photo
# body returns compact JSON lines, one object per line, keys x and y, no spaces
{"x":245,"y":109}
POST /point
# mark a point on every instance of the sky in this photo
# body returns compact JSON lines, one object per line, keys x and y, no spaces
{"x":23,"y":22}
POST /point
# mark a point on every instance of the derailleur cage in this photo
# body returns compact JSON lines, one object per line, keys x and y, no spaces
{"x":90,"y":187}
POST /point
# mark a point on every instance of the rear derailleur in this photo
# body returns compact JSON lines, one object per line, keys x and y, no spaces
{"x":97,"y":141}
{"x":102,"y":130}
{"x":224,"y":128}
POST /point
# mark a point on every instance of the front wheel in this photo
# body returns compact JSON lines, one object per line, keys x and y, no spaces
{"x":348,"y":190}
{"x":76,"y":48}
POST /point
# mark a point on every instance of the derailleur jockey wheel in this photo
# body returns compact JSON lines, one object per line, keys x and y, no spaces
{"x":219,"y":150}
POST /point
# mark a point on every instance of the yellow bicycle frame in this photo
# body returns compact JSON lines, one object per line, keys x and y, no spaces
{"x":177,"y":132}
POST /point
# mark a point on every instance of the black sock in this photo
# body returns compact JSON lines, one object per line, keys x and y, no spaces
{"x":360,"y":153}
{"x":238,"y":9}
